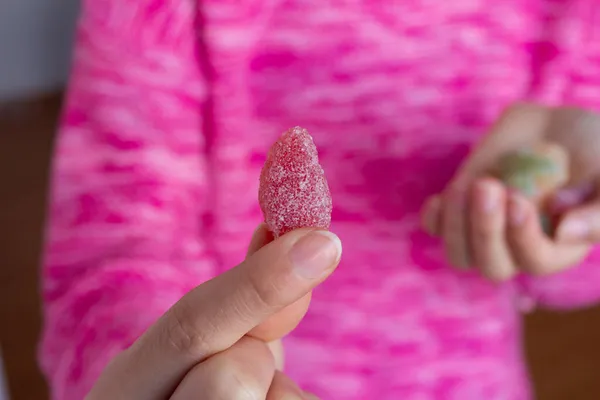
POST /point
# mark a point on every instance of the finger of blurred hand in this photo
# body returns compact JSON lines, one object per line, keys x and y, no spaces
{"x":534,"y":252}
{"x":283,"y":388}
{"x":243,"y":371}
{"x":581,"y":225}
{"x":487,"y":217}
{"x":454,"y":227}
{"x":518,"y":125}
{"x":571,"y":197}
{"x":216,"y":314}
{"x":430,"y":215}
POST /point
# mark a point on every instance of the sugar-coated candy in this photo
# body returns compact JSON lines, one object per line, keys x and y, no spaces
{"x":293,"y":191}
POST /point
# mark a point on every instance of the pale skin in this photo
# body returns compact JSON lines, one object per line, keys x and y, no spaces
{"x":221,"y":340}
{"x":486,"y":226}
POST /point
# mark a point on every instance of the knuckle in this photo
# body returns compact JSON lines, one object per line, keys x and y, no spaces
{"x":184,"y":337}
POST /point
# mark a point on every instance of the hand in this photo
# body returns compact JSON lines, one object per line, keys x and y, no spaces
{"x":212,"y":344}
{"x":498,"y":231}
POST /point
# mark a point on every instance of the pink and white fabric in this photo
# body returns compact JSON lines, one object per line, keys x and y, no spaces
{"x":171,"y":108}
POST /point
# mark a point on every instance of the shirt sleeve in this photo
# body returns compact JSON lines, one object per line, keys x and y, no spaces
{"x":579,"y":286}
{"x":124,"y":238}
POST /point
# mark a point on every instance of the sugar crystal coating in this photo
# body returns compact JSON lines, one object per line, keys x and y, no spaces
{"x":293,"y":191}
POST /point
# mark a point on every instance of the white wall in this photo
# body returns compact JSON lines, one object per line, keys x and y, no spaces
{"x":35,"y":43}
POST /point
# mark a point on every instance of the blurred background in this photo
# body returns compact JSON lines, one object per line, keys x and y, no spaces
{"x":35,"y":42}
{"x":35,"y":46}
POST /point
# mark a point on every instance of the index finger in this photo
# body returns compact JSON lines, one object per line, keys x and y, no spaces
{"x":285,"y":320}
{"x":216,"y":314}
{"x":533,"y":250}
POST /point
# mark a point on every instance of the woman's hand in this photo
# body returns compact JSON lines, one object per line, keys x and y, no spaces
{"x":212,"y":344}
{"x":498,"y":231}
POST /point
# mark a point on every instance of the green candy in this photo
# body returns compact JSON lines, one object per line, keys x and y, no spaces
{"x":524,"y":170}
{"x":536,"y":173}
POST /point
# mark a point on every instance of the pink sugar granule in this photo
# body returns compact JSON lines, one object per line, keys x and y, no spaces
{"x":293,"y":191}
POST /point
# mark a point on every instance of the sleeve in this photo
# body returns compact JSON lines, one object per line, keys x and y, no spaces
{"x":124,"y":237}
{"x":579,"y":286}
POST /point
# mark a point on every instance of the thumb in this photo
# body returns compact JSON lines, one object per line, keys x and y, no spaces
{"x":215,"y":315}
{"x":577,"y":207}
{"x":286,"y":320}
{"x":581,"y":224}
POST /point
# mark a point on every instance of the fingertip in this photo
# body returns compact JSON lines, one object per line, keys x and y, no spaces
{"x":519,"y":209}
{"x":488,"y":230}
{"x":530,"y":245}
{"x":573,"y":228}
{"x":487,"y":195}
{"x":525,"y":229}
{"x":581,"y":224}
{"x":315,"y":254}
{"x":335,"y":240}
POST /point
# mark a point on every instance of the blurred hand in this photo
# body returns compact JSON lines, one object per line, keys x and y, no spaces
{"x":498,"y":231}
{"x":212,"y":344}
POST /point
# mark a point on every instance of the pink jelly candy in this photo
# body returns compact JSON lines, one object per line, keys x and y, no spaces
{"x":293,"y":191}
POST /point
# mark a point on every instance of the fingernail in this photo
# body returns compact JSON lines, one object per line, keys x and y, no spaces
{"x":517,"y":210}
{"x":575,"y":228}
{"x":488,"y":196}
{"x":315,"y":253}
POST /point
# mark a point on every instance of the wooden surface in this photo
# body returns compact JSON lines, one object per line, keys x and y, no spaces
{"x":564,"y":349}
{"x":26,"y":132}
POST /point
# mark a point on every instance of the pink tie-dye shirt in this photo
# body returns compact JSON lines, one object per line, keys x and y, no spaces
{"x":171,"y":107}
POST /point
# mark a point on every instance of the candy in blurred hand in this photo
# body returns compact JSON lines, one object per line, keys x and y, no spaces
{"x":536,"y":172}
{"x":293,"y":191}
